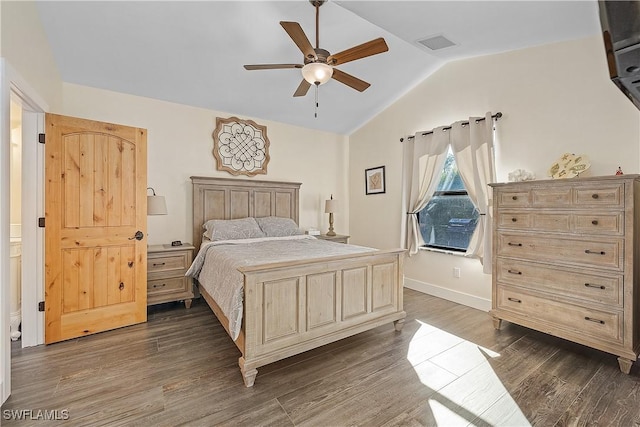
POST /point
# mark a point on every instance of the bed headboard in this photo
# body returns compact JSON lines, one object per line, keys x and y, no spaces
{"x":230,"y":198}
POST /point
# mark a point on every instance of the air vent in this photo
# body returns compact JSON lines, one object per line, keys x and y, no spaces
{"x":436,"y":42}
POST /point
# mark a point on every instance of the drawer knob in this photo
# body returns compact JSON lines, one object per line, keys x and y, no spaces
{"x":589,"y":251}
{"x":514,"y":244}
{"x":595,"y":196}
{"x":514,"y":219}
{"x":121,"y":286}
{"x":514,"y":197}
{"x":514,"y":271}
{"x":159,"y":286}
{"x":156,"y":264}
{"x":514,"y":300}
{"x":591,"y":285}
{"x":594,"y":222}
{"x":591,"y":319}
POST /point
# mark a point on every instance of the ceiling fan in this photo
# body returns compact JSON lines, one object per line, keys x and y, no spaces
{"x":319,"y":64}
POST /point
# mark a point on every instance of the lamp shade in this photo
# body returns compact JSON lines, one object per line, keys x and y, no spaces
{"x":156,"y":205}
{"x":330,"y":206}
{"x":317,"y":73}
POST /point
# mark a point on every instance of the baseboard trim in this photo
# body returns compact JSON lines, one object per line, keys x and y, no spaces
{"x":448,"y":294}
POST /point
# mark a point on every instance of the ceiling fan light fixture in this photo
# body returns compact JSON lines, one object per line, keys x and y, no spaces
{"x":317,"y":73}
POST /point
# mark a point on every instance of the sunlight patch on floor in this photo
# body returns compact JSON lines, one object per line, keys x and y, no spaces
{"x":445,"y":416}
{"x":467,"y":390}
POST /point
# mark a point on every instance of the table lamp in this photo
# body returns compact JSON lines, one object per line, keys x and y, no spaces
{"x":330,"y":206}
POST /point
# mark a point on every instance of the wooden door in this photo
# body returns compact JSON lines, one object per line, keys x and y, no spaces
{"x":95,"y":204}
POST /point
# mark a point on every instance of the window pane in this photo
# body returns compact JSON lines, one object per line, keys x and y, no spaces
{"x":449,"y":220}
{"x":450,"y":178}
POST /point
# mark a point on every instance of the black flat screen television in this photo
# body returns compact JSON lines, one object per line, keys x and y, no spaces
{"x":620,"y":21}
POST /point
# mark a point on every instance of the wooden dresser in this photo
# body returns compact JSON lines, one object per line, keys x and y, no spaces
{"x":566,"y":260}
{"x":166,"y":281}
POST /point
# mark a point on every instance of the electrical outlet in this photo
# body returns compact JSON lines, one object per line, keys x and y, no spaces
{"x":456,"y":272}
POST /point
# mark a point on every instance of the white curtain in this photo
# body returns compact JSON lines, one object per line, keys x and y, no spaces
{"x":473,"y":148}
{"x":424,"y":157}
{"x":472,"y":143}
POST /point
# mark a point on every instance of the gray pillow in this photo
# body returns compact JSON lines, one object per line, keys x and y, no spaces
{"x":274,"y":226}
{"x":232,"y":229}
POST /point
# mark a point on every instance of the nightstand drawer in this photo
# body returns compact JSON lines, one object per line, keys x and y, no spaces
{"x":169,"y":284}
{"x":166,"y":281}
{"x":338,"y":238}
{"x":167,"y":262}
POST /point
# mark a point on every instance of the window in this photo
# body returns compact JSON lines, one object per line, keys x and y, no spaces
{"x":449,"y":219}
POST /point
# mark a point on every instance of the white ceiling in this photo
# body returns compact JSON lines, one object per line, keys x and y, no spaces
{"x":193,"y":52}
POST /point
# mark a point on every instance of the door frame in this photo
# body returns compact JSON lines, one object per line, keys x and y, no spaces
{"x":12,"y":82}
{"x":33,"y":111}
{"x":32,"y":235}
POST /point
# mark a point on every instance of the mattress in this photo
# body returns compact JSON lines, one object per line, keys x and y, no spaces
{"x":216,"y":265}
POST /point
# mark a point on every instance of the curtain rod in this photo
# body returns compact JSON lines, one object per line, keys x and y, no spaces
{"x":495,"y":116}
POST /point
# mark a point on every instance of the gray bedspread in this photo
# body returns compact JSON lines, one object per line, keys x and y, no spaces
{"x":216,"y":265}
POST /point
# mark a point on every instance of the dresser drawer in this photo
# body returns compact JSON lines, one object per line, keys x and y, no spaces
{"x":514,"y":219}
{"x":577,"y":319}
{"x":167,"y":262}
{"x":532,"y":220}
{"x":599,"y":195}
{"x":589,"y":252}
{"x":512,"y":199}
{"x":562,"y":222}
{"x":605,"y":223}
{"x":595,"y":288}
{"x":558,"y":197}
{"x":552,"y":222}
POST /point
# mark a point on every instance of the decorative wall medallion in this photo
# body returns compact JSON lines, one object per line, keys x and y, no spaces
{"x":241,"y":147}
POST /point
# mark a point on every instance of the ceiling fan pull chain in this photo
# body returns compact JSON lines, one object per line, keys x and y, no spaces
{"x":316,"y":112}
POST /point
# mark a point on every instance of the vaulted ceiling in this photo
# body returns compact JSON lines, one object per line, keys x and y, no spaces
{"x":193,"y":52}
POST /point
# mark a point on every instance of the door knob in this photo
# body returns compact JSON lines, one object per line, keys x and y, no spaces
{"x":138,"y":236}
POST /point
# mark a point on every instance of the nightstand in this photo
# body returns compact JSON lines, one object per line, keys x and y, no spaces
{"x":338,"y":238}
{"x":166,"y":281}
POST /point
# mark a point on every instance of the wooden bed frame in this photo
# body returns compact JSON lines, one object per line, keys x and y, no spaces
{"x":292,"y":307}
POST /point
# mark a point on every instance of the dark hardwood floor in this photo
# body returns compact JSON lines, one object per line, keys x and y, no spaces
{"x":447,"y":367}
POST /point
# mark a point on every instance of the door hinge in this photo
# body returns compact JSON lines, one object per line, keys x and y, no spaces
{"x":41,"y":306}
{"x":41,"y":138}
{"x":41,"y":222}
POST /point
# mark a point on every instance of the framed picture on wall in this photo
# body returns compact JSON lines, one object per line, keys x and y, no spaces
{"x":374,"y":180}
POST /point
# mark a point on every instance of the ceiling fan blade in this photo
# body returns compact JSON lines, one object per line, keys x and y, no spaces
{"x":299,"y":38}
{"x":271,"y":66}
{"x":363,"y":50}
{"x":303,"y":88}
{"x":349,"y":80}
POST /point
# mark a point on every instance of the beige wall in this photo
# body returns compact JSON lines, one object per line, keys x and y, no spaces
{"x":24,"y":45}
{"x":554,"y":99}
{"x":180,"y":145}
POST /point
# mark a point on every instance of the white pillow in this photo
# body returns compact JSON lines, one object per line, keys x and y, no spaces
{"x":274,"y":226}
{"x":232,"y":229}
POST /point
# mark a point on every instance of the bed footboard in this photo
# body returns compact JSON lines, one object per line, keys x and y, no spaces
{"x":295,"y":306}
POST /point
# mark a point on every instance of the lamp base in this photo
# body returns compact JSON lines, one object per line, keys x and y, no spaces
{"x":331,"y":232}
